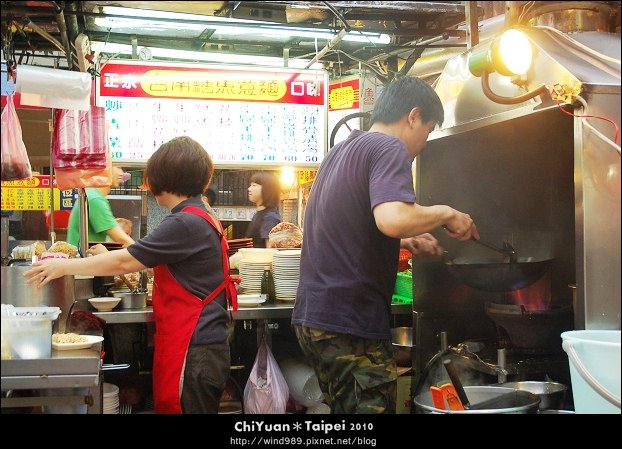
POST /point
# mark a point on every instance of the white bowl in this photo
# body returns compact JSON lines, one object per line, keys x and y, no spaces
{"x":104,"y":304}
{"x":261,"y":255}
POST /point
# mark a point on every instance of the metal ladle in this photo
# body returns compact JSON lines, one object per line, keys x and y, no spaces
{"x":507,"y":250}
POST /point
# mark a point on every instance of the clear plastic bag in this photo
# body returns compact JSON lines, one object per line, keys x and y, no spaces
{"x":266,"y":390}
{"x":15,"y":163}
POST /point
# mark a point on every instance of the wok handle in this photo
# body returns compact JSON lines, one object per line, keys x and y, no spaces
{"x":455,"y":379}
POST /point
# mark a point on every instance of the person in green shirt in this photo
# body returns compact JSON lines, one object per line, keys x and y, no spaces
{"x":102,"y":223}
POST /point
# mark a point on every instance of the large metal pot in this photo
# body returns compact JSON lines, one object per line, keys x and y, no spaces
{"x":523,"y":402}
{"x":493,"y":275}
{"x":57,"y":293}
{"x":551,"y":394}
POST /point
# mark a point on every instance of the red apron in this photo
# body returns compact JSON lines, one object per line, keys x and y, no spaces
{"x":177,"y":313}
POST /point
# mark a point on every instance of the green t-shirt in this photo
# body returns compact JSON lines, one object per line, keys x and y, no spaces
{"x":101,"y":219}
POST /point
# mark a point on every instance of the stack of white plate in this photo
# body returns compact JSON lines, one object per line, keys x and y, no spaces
{"x":251,"y":273}
{"x":111,"y":399}
{"x":286,"y":272}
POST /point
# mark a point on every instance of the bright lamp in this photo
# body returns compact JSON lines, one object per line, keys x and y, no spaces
{"x":509,"y":54}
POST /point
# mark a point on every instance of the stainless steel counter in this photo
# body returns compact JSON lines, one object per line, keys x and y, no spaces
{"x":63,"y":370}
{"x":263,"y":312}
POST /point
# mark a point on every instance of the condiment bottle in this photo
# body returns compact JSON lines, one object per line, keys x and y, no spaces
{"x":267,"y":284}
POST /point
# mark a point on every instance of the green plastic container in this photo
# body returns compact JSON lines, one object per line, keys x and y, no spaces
{"x":404,"y":286}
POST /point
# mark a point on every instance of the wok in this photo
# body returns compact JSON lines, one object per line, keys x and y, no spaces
{"x":494,"y":276}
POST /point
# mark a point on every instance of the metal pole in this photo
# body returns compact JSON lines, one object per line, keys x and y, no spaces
{"x":444,"y":343}
{"x":52,"y":231}
{"x":501,"y":363}
{"x":470,"y":12}
{"x":84,"y":220}
{"x":334,"y":41}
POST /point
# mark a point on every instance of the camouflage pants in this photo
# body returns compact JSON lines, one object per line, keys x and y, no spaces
{"x":356,"y":375}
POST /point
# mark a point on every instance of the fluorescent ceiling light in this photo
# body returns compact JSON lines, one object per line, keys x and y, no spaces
{"x":223,"y":25}
{"x":184,"y":55}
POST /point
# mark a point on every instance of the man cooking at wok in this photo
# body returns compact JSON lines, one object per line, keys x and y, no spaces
{"x":361,"y":205}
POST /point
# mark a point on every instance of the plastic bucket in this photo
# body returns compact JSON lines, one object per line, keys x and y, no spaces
{"x":303,"y":384}
{"x":594,"y":358}
{"x":27,"y":331}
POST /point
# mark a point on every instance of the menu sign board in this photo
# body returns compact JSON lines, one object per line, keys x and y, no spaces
{"x":344,"y":95}
{"x":241,"y":116}
{"x":34,"y":194}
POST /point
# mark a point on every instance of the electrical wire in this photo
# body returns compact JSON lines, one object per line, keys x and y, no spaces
{"x":525,"y":9}
{"x":584,"y":118}
{"x":583,"y":47}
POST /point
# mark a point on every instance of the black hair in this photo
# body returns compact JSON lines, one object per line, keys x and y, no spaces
{"x":211,"y":193}
{"x":270,"y":189}
{"x":402,"y":95}
{"x":180,"y":166}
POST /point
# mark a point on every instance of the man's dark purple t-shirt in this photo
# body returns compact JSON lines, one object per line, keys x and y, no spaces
{"x":348,"y":267}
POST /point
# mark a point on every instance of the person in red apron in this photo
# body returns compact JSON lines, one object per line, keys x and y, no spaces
{"x":192,"y":287}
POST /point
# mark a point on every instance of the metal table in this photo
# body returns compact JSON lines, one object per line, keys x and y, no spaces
{"x":75,"y":369}
{"x":262,"y":312}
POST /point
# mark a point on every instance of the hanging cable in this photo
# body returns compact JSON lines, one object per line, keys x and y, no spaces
{"x":339,"y":16}
{"x":586,"y":116}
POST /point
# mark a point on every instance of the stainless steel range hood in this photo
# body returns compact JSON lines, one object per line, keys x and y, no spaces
{"x":583,"y":63}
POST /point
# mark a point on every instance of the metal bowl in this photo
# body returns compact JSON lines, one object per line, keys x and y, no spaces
{"x":551,"y":394}
{"x":402,"y":342}
{"x":132,"y":300}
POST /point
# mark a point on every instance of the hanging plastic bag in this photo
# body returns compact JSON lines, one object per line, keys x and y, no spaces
{"x":79,"y":138}
{"x":266,"y":390}
{"x":15,"y":163}
{"x":79,"y":178}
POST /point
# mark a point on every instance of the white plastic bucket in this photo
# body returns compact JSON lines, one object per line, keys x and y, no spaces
{"x":594,"y":358}
{"x":303,"y":384}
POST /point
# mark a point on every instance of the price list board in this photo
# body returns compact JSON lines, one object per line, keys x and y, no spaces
{"x":34,"y":194}
{"x":241,"y":116}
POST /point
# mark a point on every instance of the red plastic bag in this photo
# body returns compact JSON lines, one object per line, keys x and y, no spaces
{"x":266,"y":390}
{"x":15,"y":163}
{"x":79,"y":139}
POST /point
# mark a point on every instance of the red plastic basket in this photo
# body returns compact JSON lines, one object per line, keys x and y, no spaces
{"x":405,"y":256}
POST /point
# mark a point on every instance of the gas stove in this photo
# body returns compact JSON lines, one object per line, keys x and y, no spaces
{"x":492,"y":357}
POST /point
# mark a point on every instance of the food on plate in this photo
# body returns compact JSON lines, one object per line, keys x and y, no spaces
{"x":64,"y":247}
{"x":285,"y":235}
{"x":68,"y":338}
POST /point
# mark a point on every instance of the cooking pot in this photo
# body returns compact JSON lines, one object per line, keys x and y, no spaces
{"x":131,"y":300}
{"x":402,"y":342}
{"x":534,"y":331}
{"x":522,"y":402}
{"x":493,"y":275}
{"x":551,"y":394}
{"x":57,"y":293}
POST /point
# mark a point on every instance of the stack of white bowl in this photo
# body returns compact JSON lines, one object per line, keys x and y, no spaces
{"x":251,"y":268}
{"x":251,"y":274}
{"x":111,"y":399}
{"x":286,"y":272}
